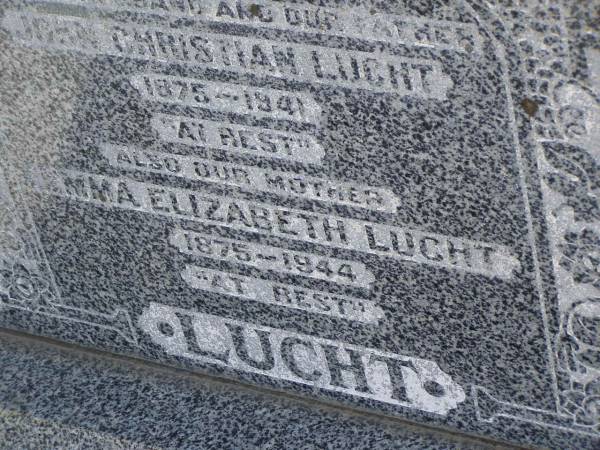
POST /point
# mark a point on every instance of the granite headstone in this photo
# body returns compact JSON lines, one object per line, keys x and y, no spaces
{"x":391,"y":206}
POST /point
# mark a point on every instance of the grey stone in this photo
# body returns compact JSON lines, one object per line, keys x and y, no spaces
{"x":56,"y":398}
{"x":390,"y":206}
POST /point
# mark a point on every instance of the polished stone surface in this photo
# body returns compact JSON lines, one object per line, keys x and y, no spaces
{"x":59,"y":398}
{"x":391,"y":206}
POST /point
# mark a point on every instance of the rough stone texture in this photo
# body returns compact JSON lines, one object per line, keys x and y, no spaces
{"x":60,"y":398}
{"x":470,"y":219}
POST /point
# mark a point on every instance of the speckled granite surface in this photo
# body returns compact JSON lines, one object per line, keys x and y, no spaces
{"x":391,"y":206}
{"x":57,"y":398}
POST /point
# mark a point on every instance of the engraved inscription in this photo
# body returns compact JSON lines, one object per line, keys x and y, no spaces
{"x":272,"y":258}
{"x":349,"y":22}
{"x":252,"y":178}
{"x":280,"y":294}
{"x":327,"y":364}
{"x":229,"y":97}
{"x":377,"y":239}
{"x":262,"y":66}
{"x":237,"y":138}
{"x":374,"y":71}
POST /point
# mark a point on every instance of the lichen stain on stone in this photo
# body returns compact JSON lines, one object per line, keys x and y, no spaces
{"x":255,"y":10}
{"x":530,"y":106}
